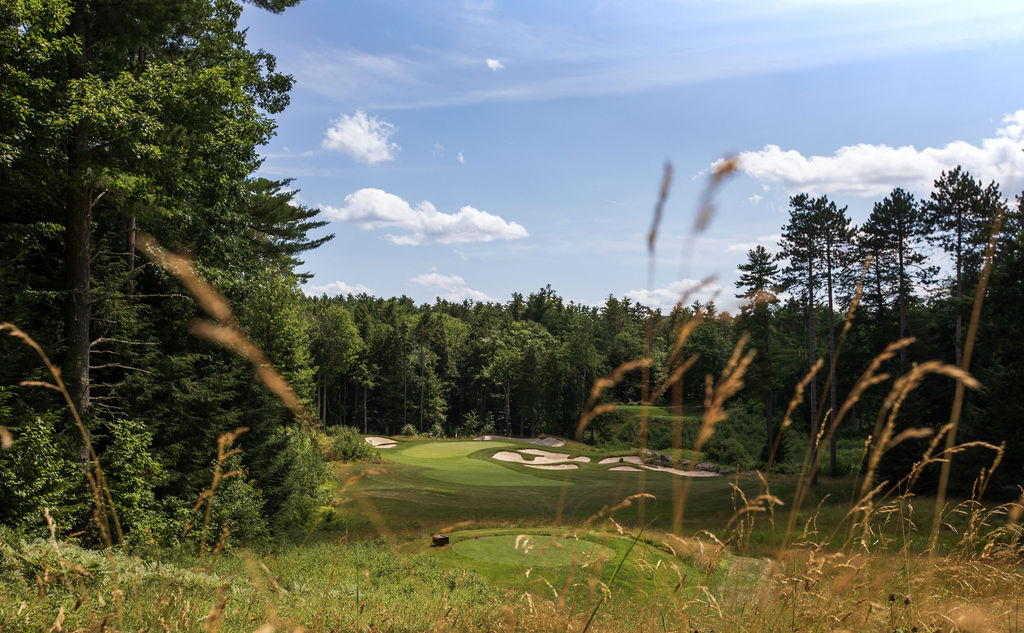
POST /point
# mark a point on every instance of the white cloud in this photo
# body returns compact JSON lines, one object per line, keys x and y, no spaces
{"x":495,"y":65}
{"x":365,"y":138}
{"x":740,"y":247}
{"x":335,"y":288}
{"x":755,"y":198}
{"x":372,"y":209}
{"x":438,"y":150}
{"x":461,"y":159}
{"x":771,"y":242}
{"x":666,"y":297}
{"x":449,"y":287}
{"x":874,"y":170}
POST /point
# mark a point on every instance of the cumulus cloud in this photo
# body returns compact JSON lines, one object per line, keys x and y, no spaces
{"x":770,"y":242}
{"x":874,"y":170}
{"x":461,"y":159}
{"x":495,"y":65}
{"x":666,"y":297}
{"x":335,"y":288}
{"x":372,"y":209}
{"x":449,"y":287}
{"x":365,"y":138}
{"x":755,"y":198}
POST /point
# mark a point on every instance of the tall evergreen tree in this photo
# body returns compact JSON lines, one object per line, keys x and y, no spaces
{"x":894,"y":233}
{"x":959,"y":213}
{"x":758,"y":281}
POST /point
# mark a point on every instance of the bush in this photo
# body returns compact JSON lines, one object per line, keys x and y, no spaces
{"x":349,"y":445}
{"x":409,"y":430}
{"x":302,"y":488}
{"x":728,"y":451}
{"x":436,"y":431}
{"x":239,"y":505}
{"x":38,"y":471}
{"x":132,"y":473}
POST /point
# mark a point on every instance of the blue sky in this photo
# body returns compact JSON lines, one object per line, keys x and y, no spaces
{"x":472,"y":148}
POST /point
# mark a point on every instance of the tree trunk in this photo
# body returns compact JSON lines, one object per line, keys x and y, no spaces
{"x":405,"y":384}
{"x":959,"y":287}
{"x":365,"y":423}
{"x":77,"y":226}
{"x":768,"y":397}
{"x":812,"y":396}
{"x":902,"y":289}
{"x":508,"y":406}
{"x":131,"y":258}
{"x":423,"y":372}
{"x":833,"y":466}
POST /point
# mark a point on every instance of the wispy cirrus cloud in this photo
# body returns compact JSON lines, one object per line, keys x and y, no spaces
{"x":364,"y":138}
{"x":449,"y":287}
{"x":372,"y":209}
{"x":874,"y":170}
{"x":614,"y":49}
{"x":334,"y":289}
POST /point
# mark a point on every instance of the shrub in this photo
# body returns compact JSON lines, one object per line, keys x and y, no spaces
{"x":132,"y":472}
{"x":238,"y":505}
{"x":349,"y":444}
{"x":728,"y":451}
{"x":302,"y":486}
{"x":409,"y":430}
{"x":38,"y":472}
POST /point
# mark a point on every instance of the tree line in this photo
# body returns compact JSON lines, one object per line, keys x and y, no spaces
{"x":146,"y":116}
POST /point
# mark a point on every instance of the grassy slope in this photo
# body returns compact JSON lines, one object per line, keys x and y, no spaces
{"x":429,"y":485}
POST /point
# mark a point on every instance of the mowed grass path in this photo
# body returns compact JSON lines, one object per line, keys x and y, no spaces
{"x":426,"y":485}
{"x":447,"y":462}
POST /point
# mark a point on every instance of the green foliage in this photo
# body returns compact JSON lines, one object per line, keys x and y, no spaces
{"x":239,"y":506}
{"x":408,"y":430}
{"x":350,"y":446}
{"x":302,"y":485}
{"x":38,"y":472}
{"x":133,"y":472}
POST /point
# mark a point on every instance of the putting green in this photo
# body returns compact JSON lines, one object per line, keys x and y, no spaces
{"x":450,"y":462}
{"x":531,"y":550}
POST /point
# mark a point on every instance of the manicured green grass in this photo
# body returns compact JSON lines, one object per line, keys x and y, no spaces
{"x":447,"y":462}
{"x":428,"y":485}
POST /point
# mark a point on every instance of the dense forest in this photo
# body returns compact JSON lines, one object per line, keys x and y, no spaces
{"x":148,"y":116}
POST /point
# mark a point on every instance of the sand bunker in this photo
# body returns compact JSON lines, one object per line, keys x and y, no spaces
{"x":381,"y":442}
{"x":683,"y":473}
{"x":542,"y":441}
{"x":552,"y":466}
{"x":632,"y":469}
{"x":545,"y":458}
{"x":554,"y":457}
{"x":632,"y":459}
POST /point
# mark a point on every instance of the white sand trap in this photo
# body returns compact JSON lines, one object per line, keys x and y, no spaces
{"x":632,"y":459}
{"x":632,"y":469}
{"x":561,"y":457}
{"x":381,"y":442}
{"x":553,"y":442}
{"x":683,"y":473}
{"x":518,"y":458}
{"x":553,"y":466}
